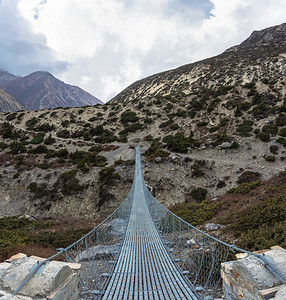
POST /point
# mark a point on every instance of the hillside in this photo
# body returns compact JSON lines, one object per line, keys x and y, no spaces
{"x":202,"y":128}
{"x":8,"y":103}
{"x":41,"y":90}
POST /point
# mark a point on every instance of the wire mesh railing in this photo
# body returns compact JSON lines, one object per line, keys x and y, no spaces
{"x":197,"y":254}
{"x":97,"y":252}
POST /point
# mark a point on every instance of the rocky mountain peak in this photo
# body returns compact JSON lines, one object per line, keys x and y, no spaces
{"x":268,"y":36}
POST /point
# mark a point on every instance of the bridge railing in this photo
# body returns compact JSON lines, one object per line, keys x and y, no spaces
{"x":96,"y":251}
{"x":197,"y":254}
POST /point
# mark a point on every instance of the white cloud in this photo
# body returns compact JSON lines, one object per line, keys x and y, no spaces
{"x":109,"y":44}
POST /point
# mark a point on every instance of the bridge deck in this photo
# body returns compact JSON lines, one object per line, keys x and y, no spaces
{"x":145,"y":269}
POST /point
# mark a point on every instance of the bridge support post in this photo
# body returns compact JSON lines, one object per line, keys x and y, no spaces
{"x":248,"y":278}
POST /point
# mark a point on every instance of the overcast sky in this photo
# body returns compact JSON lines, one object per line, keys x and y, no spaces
{"x":105,"y":45}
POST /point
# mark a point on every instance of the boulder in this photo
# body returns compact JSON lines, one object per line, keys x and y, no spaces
{"x":158,"y":159}
{"x":248,"y":277}
{"x":212,"y":226}
{"x":55,"y":280}
{"x":97,"y":252}
{"x":117,"y":226}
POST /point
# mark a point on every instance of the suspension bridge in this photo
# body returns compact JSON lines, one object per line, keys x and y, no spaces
{"x":143,"y":251}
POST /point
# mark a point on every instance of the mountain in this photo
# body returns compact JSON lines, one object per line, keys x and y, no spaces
{"x":8,"y":103}
{"x":41,"y":90}
{"x":5,"y":77}
{"x":248,"y":62}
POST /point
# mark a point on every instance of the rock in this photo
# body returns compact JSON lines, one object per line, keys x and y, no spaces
{"x":191,"y":242}
{"x":212,"y":226}
{"x":55,"y":280}
{"x":249,"y":277}
{"x":158,"y":159}
{"x":7,"y":163}
{"x":117,"y":226}
{"x":281,"y":294}
{"x":97,"y":252}
{"x":7,"y":296}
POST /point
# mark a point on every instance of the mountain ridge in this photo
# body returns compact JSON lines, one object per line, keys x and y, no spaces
{"x":41,"y":90}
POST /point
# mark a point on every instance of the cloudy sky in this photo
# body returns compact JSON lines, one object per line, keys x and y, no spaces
{"x":105,"y":45}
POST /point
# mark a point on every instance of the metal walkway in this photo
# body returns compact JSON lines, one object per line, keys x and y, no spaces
{"x":145,"y":269}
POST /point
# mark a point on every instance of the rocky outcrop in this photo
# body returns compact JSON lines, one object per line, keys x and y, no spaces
{"x":54,"y":280}
{"x":247,"y":278}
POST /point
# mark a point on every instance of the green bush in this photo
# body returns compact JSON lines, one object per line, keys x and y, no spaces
{"x":131,"y":128}
{"x":273,"y":149}
{"x":196,"y":213}
{"x":282,"y":132}
{"x":270,"y":128}
{"x":202,"y":123}
{"x":178,"y":142}
{"x":197,"y":171}
{"x":264,"y":137}
{"x":63,"y":134}
{"x":11,"y":116}
{"x":129,"y":117}
{"x":68,"y":183}
{"x":17,"y":147}
{"x":269,"y":158}
{"x":49,"y":140}
{"x":248,"y":176}
{"x":155,"y":150}
{"x":39,"y":149}
{"x":166,"y":124}
{"x":244,"y":188}
{"x":199,"y":194}
{"x":32,"y":122}
{"x":38,"y":139}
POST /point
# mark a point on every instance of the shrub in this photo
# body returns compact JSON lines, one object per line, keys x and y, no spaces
{"x":197,"y":171}
{"x":155,"y":150}
{"x":132,"y":128}
{"x":32,"y":122}
{"x":11,"y":116}
{"x":270,"y":128}
{"x":264,"y":137}
{"x":270,"y":158}
{"x":39,"y":149}
{"x":107,"y":176}
{"x":244,"y":129}
{"x":96,"y":148}
{"x":129,"y":117}
{"x":282,"y":132}
{"x":32,"y":187}
{"x":178,"y":142}
{"x":44,"y":127}
{"x":3,"y":145}
{"x":68,"y":182}
{"x":63,"y":134}
{"x":199,"y":194}
{"x":38,"y":139}
{"x":49,"y":140}
{"x":244,"y":188}
{"x":273,"y":149}
{"x":196,"y":213}
{"x":281,"y":120}
{"x":166,"y":124}
{"x":17,"y":147}
{"x":248,"y":176}
{"x":62,"y":153}
{"x":202,"y":123}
